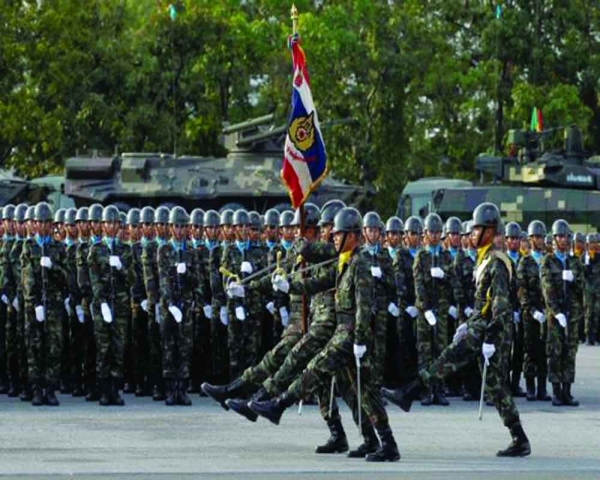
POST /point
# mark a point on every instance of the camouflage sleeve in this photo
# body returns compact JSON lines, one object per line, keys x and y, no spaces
{"x":138,"y":292}
{"x":399,"y":283}
{"x":100,"y":280}
{"x":6,"y":283}
{"x":500,"y":301}
{"x":215,"y":278}
{"x":150,"y":284}
{"x":363,"y":286}
{"x":317,"y":252}
{"x":164,"y":275}
{"x":31,"y":287}
{"x":529,"y":286}
{"x":420,"y":275}
{"x":72,"y":275}
{"x":323,"y":281}
{"x":83,"y":274}
{"x":579,"y":283}
{"x":460,"y":295}
{"x":63,"y":270}
{"x":199,"y":279}
{"x":551,"y":287}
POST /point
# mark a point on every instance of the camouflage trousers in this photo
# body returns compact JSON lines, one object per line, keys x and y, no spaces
{"x":337,"y":359}
{"x":177,"y":342}
{"x":243,"y":340}
{"x":431,"y":341}
{"x":140,"y":346}
{"x":88,"y":340}
{"x":45,"y":344}
{"x":408,"y":355}
{"x":13,"y":356}
{"x":200,"y":365}
{"x":535,"y":362}
{"x":219,"y":367}
{"x":380,"y":333}
{"x":77,"y":348}
{"x":3,"y":361}
{"x":110,"y":339}
{"x":459,"y":354}
{"x":273,"y":359}
{"x":592,"y":315}
{"x":561,"y":349}
{"x":517,"y":352}
{"x":155,"y":344}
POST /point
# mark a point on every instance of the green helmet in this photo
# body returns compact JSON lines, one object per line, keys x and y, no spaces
{"x":548,"y":239}
{"x":560,"y":227}
{"x":20,"y":211}
{"x":579,"y":237}
{"x":329,"y":210}
{"x":348,"y":219}
{"x":286,"y":219}
{"x":487,"y":215}
{"x":42,"y":212}
{"x":59,"y":215}
{"x":256,"y":221}
{"x":240,"y":217}
{"x":453,"y":225}
{"x":593,"y":238}
{"x":147,"y":215}
{"x":211,"y":219}
{"x":312,"y":215}
{"x":512,"y":229}
{"x":271,"y":218}
{"x":70,"y":216}
{"x":95,"y":213}
{"x":372,"y":220}
{"x":161,"y":215}
{"x":122,"y":218}
{"x":467,"y":227}
{"x":226,"y":217}
{"x":110,"y":214}
{"x":433,"y":223}
{"x":178,"y":216}
{"x":197,"y":217}
{"x":133,"y":217}
{"x":536,"y":228}
{"x":413,"y":225}
{"x":30,"y":213}
{"x":394,"y":224}
{"x":8,"y":212}
{"x":82,"y":214}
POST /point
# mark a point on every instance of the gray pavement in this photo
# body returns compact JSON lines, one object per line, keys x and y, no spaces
{"x":148,"y":440}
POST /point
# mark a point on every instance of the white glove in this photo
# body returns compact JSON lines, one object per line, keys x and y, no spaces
{"x":207,"y":309}
{"x":235,"y":290}
{"x":468,"y":311}
{"x":516,"y":317}
{"x":562,"y":320}
{"x":281,"y":284}
{"x":270,"y":307}
{"x":46,"y":262}
{"x":453,"y":312}
{"x":224,"y":316}
{"x":376,"y":272}
{"x":40,"y":315}
{"x":247,"y":268}
{"x":567,"y":275}
{"x":181,"y":268}
{"x":115,"y":262}
{"x":15,"y":303}
{"x":68,"y":306}
{"x":106,"y":313}
{"x":539,"y":316}
{"x":412,"y":311}
{"x":359,"y":352}
{"x":177,"y":315}
{"x":240,"y":313}
{"x":437,"y":272}
{"x":285,"y":316}
{"x":5,"y":299}
{"x":461,"y":331}
{"x":157,"y":316}
{"x":144,"y":305}
{"x":430,"y":317}
{"x":80,"y":314}
{"x":393,"y":310}
{"x":488,"y":350}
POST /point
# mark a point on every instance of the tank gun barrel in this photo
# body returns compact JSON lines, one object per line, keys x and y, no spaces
{"x":259,"y":137}
{"x":255,"y":122}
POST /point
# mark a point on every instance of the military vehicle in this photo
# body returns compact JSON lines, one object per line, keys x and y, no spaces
{"x":248,"y":177}
{"x":54,"y":187}
{"x":531,"y":182}
{"x":15,"y":189}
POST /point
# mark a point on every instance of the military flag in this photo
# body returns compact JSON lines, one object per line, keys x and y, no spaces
{"x":536,"y":124}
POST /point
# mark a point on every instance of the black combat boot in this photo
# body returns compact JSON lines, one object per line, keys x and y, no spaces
{"x":78,"y":390}
{"x":128,"y":388}
{"x":568,"y":399}
{"x":388,"y":451}
{"x":519,"y":447}
{"x":405,"y":396}
{"x":94,"y":393}
{"x":38,"y":395}
{"x":439,"y":395}
{"x":141,"y":389}
{"x":105,"y":391}
{"x":158,"y":394}
{"x":242,"y":407}
{"x":50,"y":396}
{"x":220,"y":393}
{"x":530,"y":384}
{"x":3,"y":387}
{"x":542,"y":394}
{"x":170,"y":392}
{"x":516,"y":389}
{"x":26,"y":394}
{"x":14,"y":389}
{"x":337,"y":442}
{"x":115,"y":397}
{"x":370,"y":442}
{"x":557,"y":395}
{"x":272,"y":410}
{"x":182,"y":389}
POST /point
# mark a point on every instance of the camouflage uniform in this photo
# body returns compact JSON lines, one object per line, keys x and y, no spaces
{"x":566,"y":298}
{"x":406,"y":325}
{"x":218,"y":329}
{"x":8,"y":288}
{"x":76,"y":329}
{"x":110,"y":286}
{"x":44,"y":288}
{"x":139,"y":321}
{"x":517,"y":330}
{"x":592,"y":297}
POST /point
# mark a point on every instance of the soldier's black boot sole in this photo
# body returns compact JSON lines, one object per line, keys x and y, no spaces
{"x":241,"y":407}
{"x":404,"y":396}
{"x":519,"y":447}
{"x":337,"y":442}
{"x":269,"y":409}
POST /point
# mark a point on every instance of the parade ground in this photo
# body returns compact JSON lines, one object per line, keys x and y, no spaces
{"x":149,"y":440}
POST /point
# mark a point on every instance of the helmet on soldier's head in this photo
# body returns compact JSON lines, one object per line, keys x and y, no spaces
{"x":347,"y":220}
{"x":59,"y":215}
{"x":561,"y":227}
{"x":453,"y":225}
{"x":372,"y":220}
{"x":30,"y":213}
{"x":42,"y":212}
{"x":286,"y":219}
{"x":95,"y":213}
{"x":536,"y":228}
{"x":579,"y":237}
{"x":8,"y":212}
{"x":241,"y":217}
{"x":82,"y":214}
{"x":592,"y":238}
{"x":111,"y":214}
{"x":467,"y":227}
{"x":433,"y":223}
{"x":394,"y":224}
{"x":197,"y":217}
{"x":211,"y":219}
{"x":147,"y":215}
{"x":487,"y":215}
{"x":20,"y":211}
{"x":271,"y":218}
{"x":70,"y":216}
{"x":122,"y":218}
{"x":161,"y":215}
{"x":133,"y":217}
{"x":512,"y":229}
{"x":256,"y":221}
{"x":226,"y":217}
{"x":413,"y":225}
{"x":312,"y":215}
{"x":329,"y":210}
{"x":178,"y":216}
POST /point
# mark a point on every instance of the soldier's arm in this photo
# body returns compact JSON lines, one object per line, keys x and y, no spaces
{"x":164,"y":275}
{"x":198,"y":279}
{"x":420,"y":275}
{"x":148,"y":274}
{"x":399,"y":282}
{"x":99,"y":279}
{"x":317,"y":252}
{"x":215,"y":278}
{"x":83,"y":274}
{"x":310,"y":285}
{"x":500,"y":301}
{"x":29,"y":279}
{"x":551,"y":289}
{"x":363,"y":287}
{"x":458,"y":290}
{"x":6,"y":283}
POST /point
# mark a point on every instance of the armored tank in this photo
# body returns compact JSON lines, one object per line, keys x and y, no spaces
{"x":247,"y":177}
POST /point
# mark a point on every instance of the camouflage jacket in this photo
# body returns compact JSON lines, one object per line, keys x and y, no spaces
{"x":71,"y":266}
{"x":403,"y":263}
{"x":10,"y":268}
{"x":464,"y":283}
{"x":204,"y":274}
{"x":215,"y":278}
{"x":109,"y":283}
{"x":592,"y":275}
{"x":39,"y":283}
{"x":561,"y":296}
{"x":137,"y":289}
{"x":150,"y":270}
{"x":232,"y":260}
{"x":529,"y":286}
{"x":178,"y":288}
{"x":383,"y":286}
{"x":83,"y":271}
{"x":431,"y":293}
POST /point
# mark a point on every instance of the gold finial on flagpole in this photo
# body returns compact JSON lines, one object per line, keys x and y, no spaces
{"x":294,"y":17}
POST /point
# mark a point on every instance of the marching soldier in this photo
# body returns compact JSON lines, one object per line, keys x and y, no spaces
{"x":592,"y":288}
